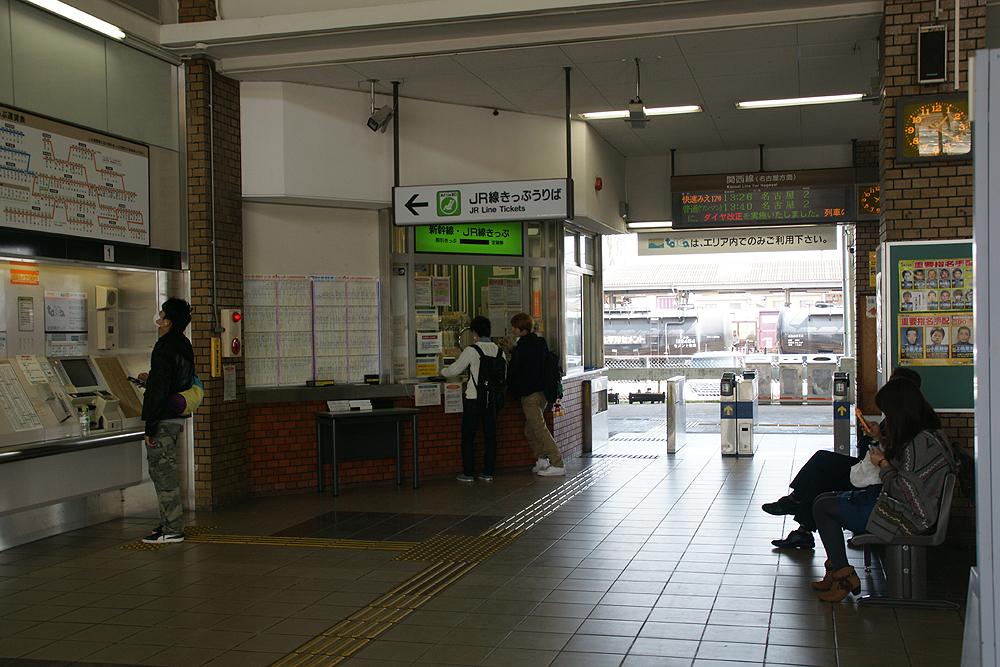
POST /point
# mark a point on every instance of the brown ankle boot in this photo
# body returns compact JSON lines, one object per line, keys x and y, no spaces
{"x":845,"y":580}
{"x":826,"y":582}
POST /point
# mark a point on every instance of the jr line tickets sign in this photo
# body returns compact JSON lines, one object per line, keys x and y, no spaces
{"x":935,"y":312}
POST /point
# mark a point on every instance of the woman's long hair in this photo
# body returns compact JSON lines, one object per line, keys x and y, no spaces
{"x":907,"y":413}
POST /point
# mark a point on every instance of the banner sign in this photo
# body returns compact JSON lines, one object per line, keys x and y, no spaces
{"x":496,"y":238}
{"x":767,"y":239}
{"x":763,"y":198}
{"x":497,"y":201}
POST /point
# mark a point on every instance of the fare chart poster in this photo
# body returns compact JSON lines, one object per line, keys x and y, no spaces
{"x":63,"y":179}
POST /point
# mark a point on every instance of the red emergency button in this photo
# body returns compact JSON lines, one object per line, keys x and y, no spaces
{"x":236,"y":346}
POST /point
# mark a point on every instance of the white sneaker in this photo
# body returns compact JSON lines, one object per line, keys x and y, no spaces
{"x":553,"y":471}
{"x":541,"y":464}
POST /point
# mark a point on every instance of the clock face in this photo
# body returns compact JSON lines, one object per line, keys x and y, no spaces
{"x":934,"y":127}
{"x":870,"y":199}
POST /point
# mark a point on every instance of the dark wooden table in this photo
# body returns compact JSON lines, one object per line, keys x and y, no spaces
{"x":329,"y":450}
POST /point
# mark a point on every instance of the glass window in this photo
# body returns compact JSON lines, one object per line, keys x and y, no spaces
{"x":570,"y":249}
{"x":587,"y":250}
{"x":574,"y":321}
{"x":535,"y":244}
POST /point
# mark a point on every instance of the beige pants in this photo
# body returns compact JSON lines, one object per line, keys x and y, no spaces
{"x":538,"y":435}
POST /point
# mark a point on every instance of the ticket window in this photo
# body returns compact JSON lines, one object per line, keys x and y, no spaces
{"x":435,"y":291}
{"x":447,"y":296}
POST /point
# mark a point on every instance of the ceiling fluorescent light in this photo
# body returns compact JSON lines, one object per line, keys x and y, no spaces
{"x":670,"y":111}
{"x":604,"y":115}
{"x":77,"y":16}
{"x":800,"y":101}
{"x":655,"y":111}
{"x":666,"y":224}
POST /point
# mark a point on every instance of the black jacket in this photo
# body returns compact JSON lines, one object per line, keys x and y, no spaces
{"x":171,"y":370}
{"x":525,"y":374}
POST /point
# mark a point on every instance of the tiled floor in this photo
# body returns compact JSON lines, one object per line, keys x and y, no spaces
{"x":663,"y":561}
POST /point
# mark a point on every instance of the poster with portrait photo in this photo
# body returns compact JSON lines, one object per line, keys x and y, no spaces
{"x":962,"y":340}
{"x":935,"y":285}
{"x":911,"y":341}
{"x":936,"y":340}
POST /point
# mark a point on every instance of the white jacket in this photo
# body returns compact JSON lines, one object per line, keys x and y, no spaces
{"x":470,"y":359}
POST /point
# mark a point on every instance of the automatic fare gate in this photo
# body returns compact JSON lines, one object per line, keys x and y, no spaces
{"x":738,"y":413}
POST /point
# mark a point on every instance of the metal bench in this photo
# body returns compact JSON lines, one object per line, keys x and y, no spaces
{"x":904,"y":561}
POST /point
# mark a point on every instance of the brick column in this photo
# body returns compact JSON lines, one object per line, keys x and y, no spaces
{"x":926,"y":201}
{"x":865,"y":241}
{"x":220,"y":446}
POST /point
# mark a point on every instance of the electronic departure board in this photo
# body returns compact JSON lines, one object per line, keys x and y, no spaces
{"x":763,"y":199}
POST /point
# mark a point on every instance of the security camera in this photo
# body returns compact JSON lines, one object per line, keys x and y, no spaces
{"x":379,"y":120}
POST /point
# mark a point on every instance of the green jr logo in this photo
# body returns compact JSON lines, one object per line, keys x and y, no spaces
{"x":449,"y":203}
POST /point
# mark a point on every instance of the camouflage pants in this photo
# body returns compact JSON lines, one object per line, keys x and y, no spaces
{"x":164,"y":472}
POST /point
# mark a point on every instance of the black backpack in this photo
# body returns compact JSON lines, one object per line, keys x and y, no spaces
{"x":551,"y":376}
{"x":491,"y":385}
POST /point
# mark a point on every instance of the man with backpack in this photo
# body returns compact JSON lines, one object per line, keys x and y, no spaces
{"x":171,"y":371}
{"x":534,"y":379}
{"x":483,"y":397}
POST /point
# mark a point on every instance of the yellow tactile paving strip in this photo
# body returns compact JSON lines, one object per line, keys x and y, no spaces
{"x":452,"y":558}
{"x":301,"y":542}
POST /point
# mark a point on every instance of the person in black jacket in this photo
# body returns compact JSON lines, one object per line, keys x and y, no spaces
{"x":171,"y":370}
{"x":527,"y":383}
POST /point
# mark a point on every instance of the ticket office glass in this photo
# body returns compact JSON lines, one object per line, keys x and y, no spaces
{"x":435,"y":293}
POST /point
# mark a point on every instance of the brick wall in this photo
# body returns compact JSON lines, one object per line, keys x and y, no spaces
{"x":928,"y":201}
{"x":282,"y":444}
{"x":925,"y":201}
{"x":193,"y":11}
{"x":220,"y":426}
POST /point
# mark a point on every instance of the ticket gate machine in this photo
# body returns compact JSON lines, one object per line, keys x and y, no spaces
{"x":842,"y":414}
{"x":746,"y":413}
{"x":727,"y":414}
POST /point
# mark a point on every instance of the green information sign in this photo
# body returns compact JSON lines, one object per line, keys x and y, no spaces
{"x":487,"y":238}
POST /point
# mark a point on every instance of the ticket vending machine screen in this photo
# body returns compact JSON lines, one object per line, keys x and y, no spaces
{"x":80,"y":374}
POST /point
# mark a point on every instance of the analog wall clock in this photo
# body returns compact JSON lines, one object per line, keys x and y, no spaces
{"x":933,"y":127}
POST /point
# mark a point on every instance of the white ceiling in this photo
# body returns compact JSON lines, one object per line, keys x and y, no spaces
{"x":713,"y":69}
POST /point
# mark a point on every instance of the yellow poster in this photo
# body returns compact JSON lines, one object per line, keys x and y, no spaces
{"x":935,"y":340}
{"x":935,"y":285}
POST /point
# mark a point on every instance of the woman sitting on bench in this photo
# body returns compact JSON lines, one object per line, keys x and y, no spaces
{"x":913,"y":459}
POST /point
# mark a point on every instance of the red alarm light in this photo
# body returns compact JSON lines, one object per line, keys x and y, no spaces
{"x":237,"y":316}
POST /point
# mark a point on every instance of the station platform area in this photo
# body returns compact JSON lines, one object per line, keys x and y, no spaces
{"x":635,"y":558}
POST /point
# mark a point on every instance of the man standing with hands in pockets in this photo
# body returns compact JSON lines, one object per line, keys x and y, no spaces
{"x":526,"y":380}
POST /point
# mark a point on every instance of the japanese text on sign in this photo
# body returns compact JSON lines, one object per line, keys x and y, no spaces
{"x":737,"y":240}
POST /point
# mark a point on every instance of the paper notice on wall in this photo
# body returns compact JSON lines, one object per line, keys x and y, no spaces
{"x":25,"y":313}
{"x":427,"y":320}
{"x":871,"y":307}
{"x":422,"y":292}
{"x":66,"y":344}
{"x":427,"y":394}
{"x":453,"y":397}
{"x":229,"y":382}
{"x":442,"y":291}
{"x":16,"y":404}
{"x":294,"y":291}
{"x":65,"y":311}
{"x":426,"y":367}
{"x":429,"y":343}
{"x":260,"y":292}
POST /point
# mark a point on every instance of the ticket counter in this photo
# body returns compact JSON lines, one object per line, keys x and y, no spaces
{"x":432,"y":286}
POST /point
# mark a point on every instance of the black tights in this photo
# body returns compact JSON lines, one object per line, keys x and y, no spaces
{"x":830,"y":524}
